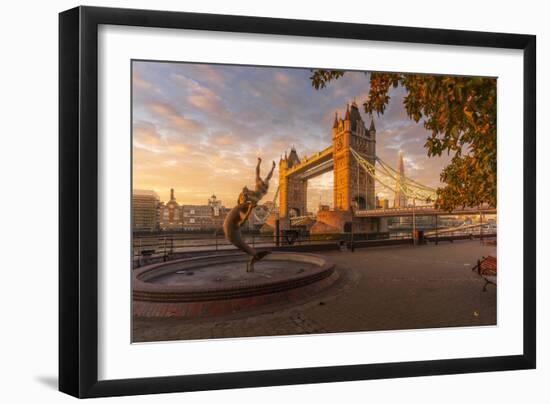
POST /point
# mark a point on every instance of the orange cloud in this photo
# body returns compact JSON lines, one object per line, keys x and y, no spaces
{"x":224,"y":140}
{"x":140,"y":83}
{"x":173,"y":120}
{"x":201,"y":97}
{"x":282,"y":79}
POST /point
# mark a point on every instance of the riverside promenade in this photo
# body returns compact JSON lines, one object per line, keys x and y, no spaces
{"x":380,"y":288}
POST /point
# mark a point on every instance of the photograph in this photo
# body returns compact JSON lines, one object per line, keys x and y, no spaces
{"x":280,"y":201}
{"x":275,"y":202}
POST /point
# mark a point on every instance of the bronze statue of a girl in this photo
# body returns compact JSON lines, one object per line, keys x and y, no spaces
{"x":237,"y":216}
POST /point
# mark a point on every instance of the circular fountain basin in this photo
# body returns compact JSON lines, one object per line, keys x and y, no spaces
{"x":220,"y":284}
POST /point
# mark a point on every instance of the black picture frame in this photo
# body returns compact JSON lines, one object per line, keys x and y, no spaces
{"x":78,"y":201}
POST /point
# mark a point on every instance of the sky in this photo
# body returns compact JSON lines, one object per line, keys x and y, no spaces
{"x":199,"y":128}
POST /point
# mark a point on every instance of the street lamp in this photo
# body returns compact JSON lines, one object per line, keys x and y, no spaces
{"x":353,"y":209}
{"x":414,"y":222}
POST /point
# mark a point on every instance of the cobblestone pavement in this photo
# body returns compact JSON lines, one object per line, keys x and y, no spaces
{"x":382,"y":288}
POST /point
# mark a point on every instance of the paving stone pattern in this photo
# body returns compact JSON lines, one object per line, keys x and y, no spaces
{"x":382,"y":288}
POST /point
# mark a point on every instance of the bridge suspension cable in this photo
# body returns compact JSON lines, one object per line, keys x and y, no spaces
{"x":406,"y":179}
{"x":387,"y":176}
{"x":411,"y":189}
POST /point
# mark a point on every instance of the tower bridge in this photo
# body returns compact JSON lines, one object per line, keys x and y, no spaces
{"x":350,"y":182}
{"x":356,"y":169}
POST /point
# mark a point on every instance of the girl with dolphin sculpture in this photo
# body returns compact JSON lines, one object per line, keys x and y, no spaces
{"x":237,"y":216}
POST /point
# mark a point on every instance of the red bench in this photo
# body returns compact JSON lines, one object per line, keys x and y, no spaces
{"x":487,"y":269}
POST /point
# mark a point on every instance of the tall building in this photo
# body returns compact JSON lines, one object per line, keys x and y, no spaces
{"x":400,"y":200}
{"x":145,"y":211}
{"x":292,"y":191}
{"x":352,"y":185}
{"x":171,"y":214}
{"x":215,"y":205}
{"x":382,"y":203}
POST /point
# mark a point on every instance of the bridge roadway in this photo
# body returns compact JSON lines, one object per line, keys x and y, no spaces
{"x":313,"y":166}
{"x":422,"y":211}
{"x":418,"y":211}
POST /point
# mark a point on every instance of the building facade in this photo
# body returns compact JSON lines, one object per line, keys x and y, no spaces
{"x":292,"y":190}
{"x":171,"y":214}
{"x":145,"y":211}
{"x":352,"y":185}
{"x":196,"y":218}
{"x":382,"y":203}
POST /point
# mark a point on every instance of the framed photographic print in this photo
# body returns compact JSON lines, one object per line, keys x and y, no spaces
{"x":251,"y":201}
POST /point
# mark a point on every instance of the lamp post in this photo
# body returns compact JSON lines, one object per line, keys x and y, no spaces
{"x":353,"y":209}
{"x":480,"y":227}
{"x":414,"y":222}
{"x":436,"y":239}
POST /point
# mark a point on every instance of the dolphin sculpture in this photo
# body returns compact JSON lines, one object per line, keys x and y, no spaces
{"x":238,"y":216}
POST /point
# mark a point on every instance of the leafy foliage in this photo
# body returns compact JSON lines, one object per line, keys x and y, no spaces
{"x":460,"y":113}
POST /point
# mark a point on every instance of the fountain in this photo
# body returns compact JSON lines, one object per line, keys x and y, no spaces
{"x":222,"y":284}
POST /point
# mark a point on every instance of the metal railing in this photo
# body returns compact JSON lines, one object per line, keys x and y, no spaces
{"x":165,"y":246}
{"x":174,"y":243}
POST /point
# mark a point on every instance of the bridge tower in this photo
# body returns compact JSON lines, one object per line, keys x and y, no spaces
{"x":292,"y":190}
{"x":351,"y":182}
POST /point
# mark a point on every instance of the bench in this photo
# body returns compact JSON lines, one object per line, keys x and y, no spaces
{"x":487,"y":269}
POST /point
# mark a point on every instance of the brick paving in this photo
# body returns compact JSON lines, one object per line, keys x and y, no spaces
{"x":382,"y":288}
